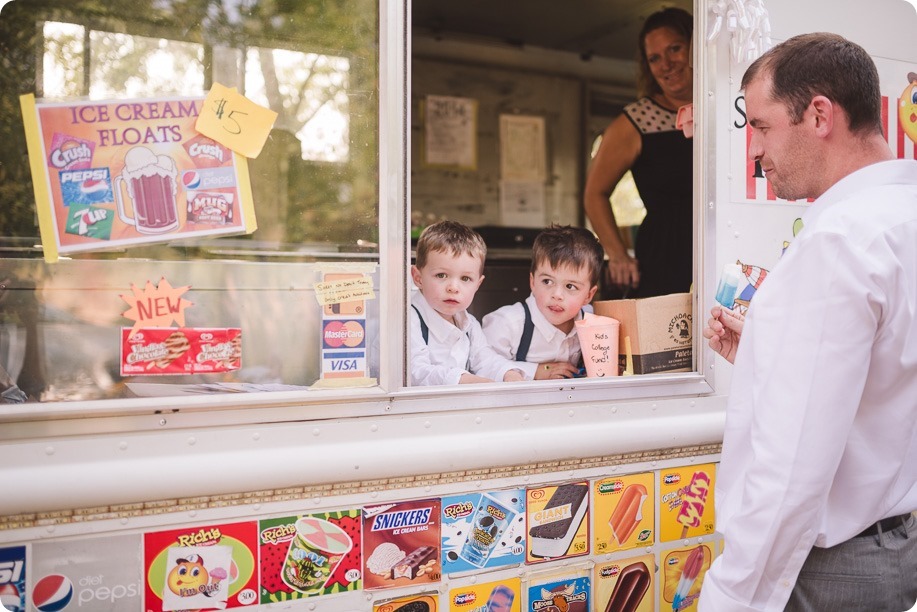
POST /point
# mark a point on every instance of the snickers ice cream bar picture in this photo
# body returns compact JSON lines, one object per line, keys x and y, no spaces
{"x":401,"y":544}
{"x":557,"y":521}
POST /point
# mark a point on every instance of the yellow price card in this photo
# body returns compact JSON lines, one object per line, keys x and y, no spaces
{"x":235,"y":121}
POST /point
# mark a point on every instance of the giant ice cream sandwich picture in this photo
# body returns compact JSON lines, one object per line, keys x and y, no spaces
{"x":556,"y":521}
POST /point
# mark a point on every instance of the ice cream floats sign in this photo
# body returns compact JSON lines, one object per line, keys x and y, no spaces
{"x":113,"y":174}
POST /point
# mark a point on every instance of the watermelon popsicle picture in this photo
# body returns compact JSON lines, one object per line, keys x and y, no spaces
{"x":693,"y":501}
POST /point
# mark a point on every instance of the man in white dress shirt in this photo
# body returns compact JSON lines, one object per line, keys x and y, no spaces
{"x":818,"y":474}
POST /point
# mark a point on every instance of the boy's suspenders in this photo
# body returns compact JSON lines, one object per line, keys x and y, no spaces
{"x":424,"y":330}
{"x":425,"y":333}
{"x":527,"y":328}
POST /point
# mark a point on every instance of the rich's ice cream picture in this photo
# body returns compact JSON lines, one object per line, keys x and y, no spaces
{"x":314,"y":553}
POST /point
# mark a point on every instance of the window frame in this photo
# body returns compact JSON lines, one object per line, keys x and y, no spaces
{"x":392,"y":395}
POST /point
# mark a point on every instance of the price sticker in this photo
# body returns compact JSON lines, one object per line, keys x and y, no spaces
{"x":235,"y":121}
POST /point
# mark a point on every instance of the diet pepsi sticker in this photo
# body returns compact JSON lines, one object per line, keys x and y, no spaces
{"x":90,"y":222}
{"x":100,"y":574}
{"x":12,"y":578}
{"x":208,"y":178}
{"x":88,"y":186}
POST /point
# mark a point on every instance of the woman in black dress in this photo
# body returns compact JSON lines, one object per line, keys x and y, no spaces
{"x":645,"y":141}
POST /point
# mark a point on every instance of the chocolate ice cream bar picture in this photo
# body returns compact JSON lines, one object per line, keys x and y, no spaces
{"x":630,"y":589}
{"x":417,"y":563}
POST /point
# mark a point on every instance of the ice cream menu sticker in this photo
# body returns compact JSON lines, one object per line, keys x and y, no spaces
{"x":201,"y":568}
{"x":401,"y":544}
{"x":303,"y":556}
{"x":626,"y":585}
{"x":113,"y":174}
{"x":623,"y":512}
{"x":686,"y":502}
{"x":483,"y":530}
{"x":683,"y":572}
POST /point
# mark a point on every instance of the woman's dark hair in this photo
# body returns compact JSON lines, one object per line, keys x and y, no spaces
{"x":679,"y":21}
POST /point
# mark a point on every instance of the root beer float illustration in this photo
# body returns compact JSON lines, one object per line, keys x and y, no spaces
{"x":151,"y":184}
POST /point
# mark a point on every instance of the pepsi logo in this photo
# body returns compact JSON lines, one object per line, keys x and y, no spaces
{"x":191,"y":179}
{"x":52,"y":593}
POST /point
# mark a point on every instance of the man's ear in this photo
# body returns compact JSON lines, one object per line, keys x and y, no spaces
{"x":824,"y":113}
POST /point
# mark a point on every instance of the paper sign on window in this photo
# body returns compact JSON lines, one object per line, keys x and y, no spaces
{"x":116,"y":174}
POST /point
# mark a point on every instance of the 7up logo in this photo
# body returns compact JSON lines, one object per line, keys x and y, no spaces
{"x":90,"y":222}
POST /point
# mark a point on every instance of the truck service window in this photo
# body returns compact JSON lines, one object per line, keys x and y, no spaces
{"x":166,"y":287}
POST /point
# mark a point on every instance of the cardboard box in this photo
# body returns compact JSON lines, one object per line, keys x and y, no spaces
{"x":660,"y":330}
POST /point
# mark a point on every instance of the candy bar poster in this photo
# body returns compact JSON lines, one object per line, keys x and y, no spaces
{"x":401,"y":544}
{"x":623,"y":512}
{"x":305,"y":556}
{"x":483,"y":530}
{"x":201,"y":568}
{"x":683,"y":572}
{"x":114,"y":174}
{"x":626,"y":584}
{"x":686,"y":502}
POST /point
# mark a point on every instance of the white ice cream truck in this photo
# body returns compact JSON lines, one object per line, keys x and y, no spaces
{"x":206,"y":226}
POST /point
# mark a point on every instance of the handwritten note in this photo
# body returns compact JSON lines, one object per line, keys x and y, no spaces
{"x":340,"y":291}
{"x":235,"y":121}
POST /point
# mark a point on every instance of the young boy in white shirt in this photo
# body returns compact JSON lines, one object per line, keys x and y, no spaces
{"x":447,"y":344}
{"x":539,"y":333}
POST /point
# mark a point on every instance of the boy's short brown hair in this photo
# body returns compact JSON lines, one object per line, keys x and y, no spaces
{"x":450,"y":237}
{"x":565,"y":245}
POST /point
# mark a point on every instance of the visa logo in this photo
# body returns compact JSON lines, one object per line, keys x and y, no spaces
{"x":343,"y":365}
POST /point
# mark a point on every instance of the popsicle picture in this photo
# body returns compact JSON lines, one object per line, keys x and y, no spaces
{"x":692,"y":504}
{"x":689,"y":574}
{"x":628,"y":512}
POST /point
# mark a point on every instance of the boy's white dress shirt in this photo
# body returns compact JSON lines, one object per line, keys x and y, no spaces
{"x":451,"y":351}
{"x":503,"y":329}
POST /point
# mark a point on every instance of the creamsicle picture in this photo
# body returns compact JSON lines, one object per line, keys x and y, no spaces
{"x":624,"y":512}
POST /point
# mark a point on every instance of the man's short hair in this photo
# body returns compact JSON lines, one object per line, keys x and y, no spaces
{"x":450,"y":237}
{"x":822,"y":64}
{"x":565,"y":245}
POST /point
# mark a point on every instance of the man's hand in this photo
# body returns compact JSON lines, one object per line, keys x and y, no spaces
{"x":723,"y":331}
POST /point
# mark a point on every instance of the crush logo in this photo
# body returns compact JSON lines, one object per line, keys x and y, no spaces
{"x":350,"y":334}
{"x":680,"y":329}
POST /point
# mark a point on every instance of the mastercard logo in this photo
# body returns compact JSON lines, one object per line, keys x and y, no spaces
{"x":348,"y":334}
